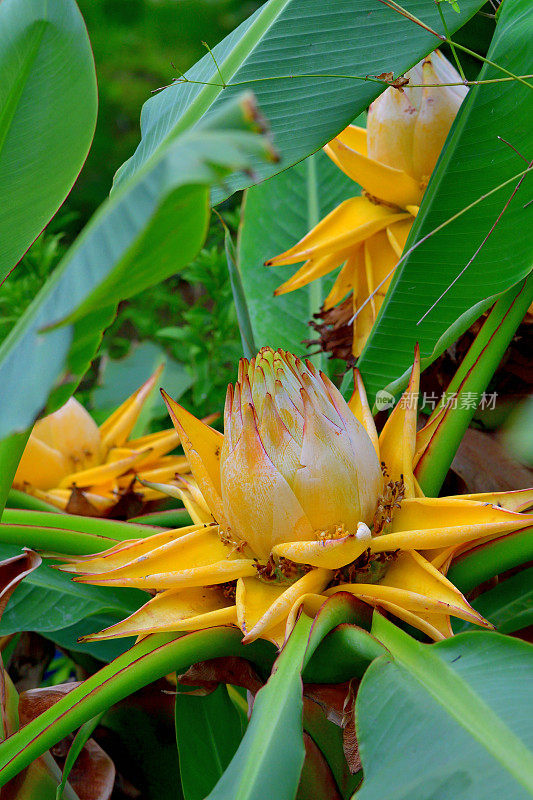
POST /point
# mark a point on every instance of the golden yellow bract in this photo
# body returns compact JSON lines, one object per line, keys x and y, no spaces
{"x":392,"y":160}
{"x":67,"y":450}
{"x":297,"y":500}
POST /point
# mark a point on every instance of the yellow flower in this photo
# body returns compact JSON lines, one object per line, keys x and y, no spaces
{"x":300,"y":500}
{"x":67,"y":450}
{"x":392,"y":160}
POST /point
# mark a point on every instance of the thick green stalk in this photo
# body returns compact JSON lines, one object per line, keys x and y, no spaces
{"x":111,"y":528}
{"x":150,"y":659}
{"x":18,"y":499}
{"x":470,"y":381}
{"x":490,"y":559}
{"x":11,"y":450}
{"x":54,"y":540}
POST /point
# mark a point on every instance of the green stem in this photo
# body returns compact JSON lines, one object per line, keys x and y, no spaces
{"x":150,"y":659}
{"x":452,"y":45}
{"x":490,"y":559}
{"x":110,"y":528}
{"x":54,"y":540}
{"x":470,"y":381}
{"x":17,"y":499}
{"x":11,"y":450}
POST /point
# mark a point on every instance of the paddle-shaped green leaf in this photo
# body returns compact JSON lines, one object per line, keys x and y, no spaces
{"x":208,"y":732}
{"x":446,"y":720}
{"x":150,"y":228}
{"x":477,"y":158}
{"x":297,"y":56}
{"x":276,"y":214}
{"x":48,"y":105}
{"x":274,"y":735}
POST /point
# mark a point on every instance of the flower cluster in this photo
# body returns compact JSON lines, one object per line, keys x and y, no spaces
{"x":392,"y":160}
{"x":297,"y":500}
{"x":77,"y":466}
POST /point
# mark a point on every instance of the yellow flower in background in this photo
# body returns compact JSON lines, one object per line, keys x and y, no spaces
{"x":392,"y":160}
{"x":67,"y":450}
{"x":297,"y":500}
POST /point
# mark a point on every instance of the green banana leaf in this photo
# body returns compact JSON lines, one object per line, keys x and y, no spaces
{"x":276,"y":214}
{"x":48,"y":104}
{"x":446,"y":720}
{"x":298,"y":57}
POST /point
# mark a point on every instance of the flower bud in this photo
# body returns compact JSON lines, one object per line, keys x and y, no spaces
{"x":407,"y":128}
{"x":296,"y":464}
{"x":63,"y":442}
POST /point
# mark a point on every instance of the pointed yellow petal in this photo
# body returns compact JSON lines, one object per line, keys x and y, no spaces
{"x":253,"y":599}
{"x":419,"y":605}
{"x":164,"y":469}
{"x":425,"y":435}
{"x":310,"y":604}
{"x":194,"y":559}
{"x":397,"y":440}
{"x":194,"y":502}
{"x":310,"y":271}
{"x":354,"y":138}
{"x":518,"y":500}
{"x":125,"y":552}
{"x":205,"y":440}
{"x":350,"y":223}
{"x":56,"y":497}
{"x":101,"y":474}
{"x":175,"y":610}
{"x":383,"y":182}
{"x":397,"y":235}
{"x":277,"y":611}
{"x":358,"y":404}
{"x":346,"y":279}
{"x":326,"y":553}
{"x":363,"y":312}
{"x":155,"y":444}
{"x":411,"y":572}
{"x":116,"y":429}
{"x":209,"y":575}
{"x":203,"y":446}
{"x":380,"y":261}
{"x":427,"y":523}
{"x":436,"y":626}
